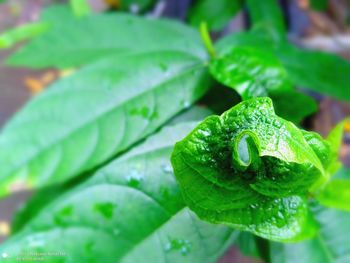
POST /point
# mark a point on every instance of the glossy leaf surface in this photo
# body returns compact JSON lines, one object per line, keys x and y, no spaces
{"x":132,"y":211}
{"x":253,"y":72}
{"x":307,"y":69}
{"x":250,"y":169}
{"x":83,"y":120}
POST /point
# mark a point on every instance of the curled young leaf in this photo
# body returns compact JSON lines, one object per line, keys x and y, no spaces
{"x":250,"y":169}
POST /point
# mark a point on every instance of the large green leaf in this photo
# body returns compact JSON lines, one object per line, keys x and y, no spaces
{"x":129,"y":211}
{"x":75,"y":41}
{"x":331,"y":245}
{"x":83,"y":120}
{"x":215,"y":13}
{"x":251,"y":170}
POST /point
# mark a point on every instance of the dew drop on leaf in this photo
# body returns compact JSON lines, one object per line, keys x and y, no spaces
{"x":106,"y":209}
{"x":134,"y":178}
{"x":166,"y":168}
{"x":177,"y":244}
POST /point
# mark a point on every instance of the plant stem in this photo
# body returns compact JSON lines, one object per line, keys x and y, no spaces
{"x":206,"y":39}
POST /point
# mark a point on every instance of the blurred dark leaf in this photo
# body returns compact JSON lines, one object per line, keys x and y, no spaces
{"x":319,"y":5}
{"x":215,"y":13}
{"x":101,"y":35}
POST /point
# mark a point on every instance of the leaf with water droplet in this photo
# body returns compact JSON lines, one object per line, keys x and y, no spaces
{"x":104,"y":219}
{"x":251,"y":170}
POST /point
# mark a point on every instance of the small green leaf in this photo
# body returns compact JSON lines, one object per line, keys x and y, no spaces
{"x":89,"y":38}
{"x":331,"y":245}
{"x":267,"y":13}
{"x":12,"y":36}
{"x":80,"y":7}
{"x":336,"y":194}
{"x":83,"y":120}
{"x":215,"y":13}
{"x":131,"y":210}
{"x":251,"y":170}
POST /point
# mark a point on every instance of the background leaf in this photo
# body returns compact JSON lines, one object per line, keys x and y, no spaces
{"x":101,"y":35}
{"x":83,"y":120}
{"x":132,"y":212}
{"x":307,"y":69}
{"x":215,"y":13}
{"x":12,"y":36}
{"x":80,"y":7}
{"x":331,"y":245}
{"x":267,"y":13}
{"x":336,"y":194}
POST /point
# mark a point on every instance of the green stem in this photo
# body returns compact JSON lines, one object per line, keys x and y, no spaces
{"x":206,"y":39}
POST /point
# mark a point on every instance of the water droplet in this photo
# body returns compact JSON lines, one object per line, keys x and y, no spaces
{"x":186,"y":104}
{"x":134,"y":178}
{"x":166,"y":168}
{"x":61,"y":216}
{"x":163,"y":67}
{"x":106,"y":209}
{"x":116,"y":231}
{"x":177,"y":244}
{"x":143,"y":112}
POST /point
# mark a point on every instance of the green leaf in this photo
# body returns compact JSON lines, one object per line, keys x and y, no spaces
{"x":89,"y":38}
{"x":331,"y":245}
{"x":308,"y":69}
{"x":80,"y":7}
{"x":335,"y":139}
{"x":83,"y":120}
{"x":215,"y":13}
{"x":267,"y":13}
{"x":319,"y":5}
{"x":254,"y":72}
{"x":251,"y":170}
{"x":12,"y":36}
{"x":293,"y":106}
{"x":246,"y":243}
{"x":318,"y":71}
{"x":129,"y":211}
{"x":136,"y":5}
{"x":336,"y":194}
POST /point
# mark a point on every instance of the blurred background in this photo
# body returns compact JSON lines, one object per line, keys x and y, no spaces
{"x":312,"y":24}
